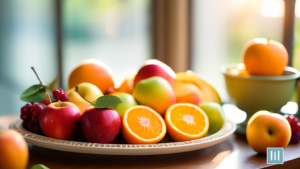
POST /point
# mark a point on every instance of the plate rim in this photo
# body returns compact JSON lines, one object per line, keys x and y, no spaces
{"x":48,"y":142}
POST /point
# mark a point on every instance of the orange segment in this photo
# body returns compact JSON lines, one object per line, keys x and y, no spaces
{"x":186,"y":121}
{"x":142,"y":125}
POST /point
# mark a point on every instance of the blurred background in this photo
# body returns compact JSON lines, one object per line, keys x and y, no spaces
{"x":56,"y":35}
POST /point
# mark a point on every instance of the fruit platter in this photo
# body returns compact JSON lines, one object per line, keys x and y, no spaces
{"x":155,"y":111}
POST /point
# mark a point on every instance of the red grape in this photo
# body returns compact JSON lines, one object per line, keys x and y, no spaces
{"x":292,"y":120}
{"x":59,"y":95}
{"x":26,"y":109}
{"x":37,"y":108}
{"x":56,"y":93}
{"x":61,"y":91}
{"x":35,"y":129}
{"x":63,"y":97}
{"x":30,"y":115}
{"x":295,"y":126}
{"x":25,"y":117}
{"x":35,"y":120}
{"x":295,"y":137}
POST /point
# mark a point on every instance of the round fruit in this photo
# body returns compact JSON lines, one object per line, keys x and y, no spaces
{"x":186,"y":121}
{"x":156,"y":93}
{"x":215,"y":116}
{"x":142,"y":125}
{"x":60,"y":120}
{"x":128,"y":101}
{"x":265,"y":129}
{"x":13,"y":150}
{"x":153,"y":67}
{"x":30,"y":115}
{"x":59,"y":95}
{"x":265,"y":57}
{"x":100,"y":125}
{"x":88,"y":91}
{"x":208,"y":92}
{"x":92,"y":71}
{"x":295,"y":126}
{"x":187,"y":93}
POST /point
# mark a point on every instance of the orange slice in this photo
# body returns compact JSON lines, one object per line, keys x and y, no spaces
{"x":186,"y":121}
{"x":142,"y":125}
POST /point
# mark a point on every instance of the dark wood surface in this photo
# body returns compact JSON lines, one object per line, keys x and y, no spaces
{"x":232,"y":153}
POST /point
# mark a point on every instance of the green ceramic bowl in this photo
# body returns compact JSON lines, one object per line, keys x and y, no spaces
{"x":253,"y":93}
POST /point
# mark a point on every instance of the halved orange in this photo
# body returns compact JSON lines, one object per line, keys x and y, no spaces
{"x":186,"y":121}
{"x":142,"y":125}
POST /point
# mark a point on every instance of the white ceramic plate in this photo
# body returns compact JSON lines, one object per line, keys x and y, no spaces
{"x":124,"y":149}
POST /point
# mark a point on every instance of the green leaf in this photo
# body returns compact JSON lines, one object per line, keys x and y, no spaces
{"x":34,"y":93}
{"x":50,"y":93}
{"x":107,"y":101}
{"x":39,"y":166}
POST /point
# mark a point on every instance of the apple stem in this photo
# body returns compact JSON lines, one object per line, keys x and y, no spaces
{"x":41,"y":83}
{"x":76,"y":89}
{"x":60,"y":103}
{"x":268,"y":40}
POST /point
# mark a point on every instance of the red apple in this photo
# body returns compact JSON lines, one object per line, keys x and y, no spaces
{"x":100,"y":125}
{"x":154,"y":67}
{"x":60,"y":120}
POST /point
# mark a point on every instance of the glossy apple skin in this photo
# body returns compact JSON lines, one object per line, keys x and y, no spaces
{"x":156,"y":93}
{"x":100,"y":125}
{"x":266,"y":129}
{"x":152,"y":68}
{"x":128,"y":101}
{"x":60,"y":122}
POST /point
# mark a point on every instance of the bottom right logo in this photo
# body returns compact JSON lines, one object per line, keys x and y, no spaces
{"x":274,"y":155}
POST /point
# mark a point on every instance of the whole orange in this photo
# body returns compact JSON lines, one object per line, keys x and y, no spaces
{"x":92,"y":71}
{"x":13,"y":150}
{"x":266,"y":129}
{"x":265,"y":57}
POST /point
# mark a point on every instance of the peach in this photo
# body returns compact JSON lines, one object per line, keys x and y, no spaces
{"x":265,"y":129}
{"x":155,"y":92}
{"x":152,"y":68}
{"x":187,"y":92}
{"x":13,"y":150}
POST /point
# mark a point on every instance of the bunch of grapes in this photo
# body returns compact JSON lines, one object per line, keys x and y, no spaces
{"x":30,"y":115}
{"x":59,"y":95}
{"x":295,"y":126}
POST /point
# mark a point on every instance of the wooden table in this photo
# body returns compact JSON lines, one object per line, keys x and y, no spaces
{"x":232,"y":153}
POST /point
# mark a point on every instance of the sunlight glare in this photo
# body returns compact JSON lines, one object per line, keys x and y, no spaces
{"x":272,"y":8}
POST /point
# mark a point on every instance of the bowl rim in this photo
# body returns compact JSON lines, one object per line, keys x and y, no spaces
{"x":295,"y":75}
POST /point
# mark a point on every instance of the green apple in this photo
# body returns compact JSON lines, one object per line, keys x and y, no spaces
{"x":128,"y":101}
{"x":215,"y":116}
{"x":88,"y":91}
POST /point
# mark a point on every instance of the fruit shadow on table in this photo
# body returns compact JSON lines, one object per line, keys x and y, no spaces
{"x":54,"y":158}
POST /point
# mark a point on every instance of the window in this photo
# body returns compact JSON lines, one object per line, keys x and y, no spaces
{"x":27,"y":38}
{"x":221,"y":29}
{"x":113,"y":31}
